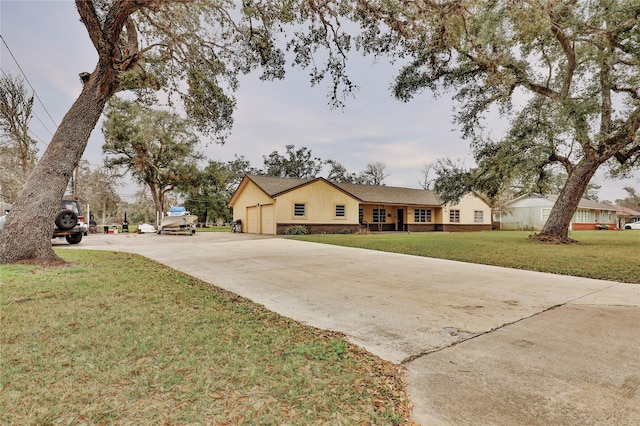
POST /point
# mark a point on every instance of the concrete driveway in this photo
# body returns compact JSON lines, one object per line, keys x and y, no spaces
{"x":482,"y":344}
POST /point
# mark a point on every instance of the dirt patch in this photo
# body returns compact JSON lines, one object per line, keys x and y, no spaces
{"x":53,"y":263}
{"x":552,"y":239}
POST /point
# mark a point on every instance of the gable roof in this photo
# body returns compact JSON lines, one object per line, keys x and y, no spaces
{"x":583,"y":204}
{"x":624,"y":211}
{"x":274,"y":186}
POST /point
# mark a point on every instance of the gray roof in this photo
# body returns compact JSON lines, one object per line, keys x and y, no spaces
{"x":276,"y":185}
{"x":373,"y":194}
{"x":585,"y":203}
{"x":624,"y":211}
{"x":391,"y":195}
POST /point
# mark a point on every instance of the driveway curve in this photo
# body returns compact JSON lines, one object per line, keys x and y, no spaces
{"x":482,"y":344}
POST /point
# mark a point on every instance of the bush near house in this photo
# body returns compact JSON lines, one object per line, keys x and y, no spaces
{"x":296,"y":230}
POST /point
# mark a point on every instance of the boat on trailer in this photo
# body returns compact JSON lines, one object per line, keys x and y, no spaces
{"x":178,"y":220}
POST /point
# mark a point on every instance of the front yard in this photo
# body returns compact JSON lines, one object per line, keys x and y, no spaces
{"x":607,"y":255}
{"x":114,"y":338}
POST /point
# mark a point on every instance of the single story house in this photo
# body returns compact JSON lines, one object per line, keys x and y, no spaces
{"x":625,"y":215}
{"x":269,"y":205}
{"x":530,"y":212}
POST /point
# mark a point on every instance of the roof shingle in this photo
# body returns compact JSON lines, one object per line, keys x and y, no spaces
{"x":273,"y":186}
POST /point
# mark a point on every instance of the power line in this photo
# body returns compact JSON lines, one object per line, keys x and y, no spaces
{"x":29,"y":83}
{"x":31,"y":133}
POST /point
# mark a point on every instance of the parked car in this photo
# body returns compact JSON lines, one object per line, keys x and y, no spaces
{"x":634,"y":225}
{"x":69,"y":222}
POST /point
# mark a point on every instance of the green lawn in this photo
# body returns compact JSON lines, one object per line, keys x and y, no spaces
{"x":225,"y":228}
{"x":610,"y":255}
{"x":114,"y":338}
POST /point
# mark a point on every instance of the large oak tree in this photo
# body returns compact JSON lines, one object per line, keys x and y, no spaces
{"x":567,"y":73}
{"x":156,"y":147}
{"x":195,"y":50}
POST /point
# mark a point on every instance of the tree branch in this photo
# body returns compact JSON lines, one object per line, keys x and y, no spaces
{"x":566,"y":47}
{"x":91,"y":22}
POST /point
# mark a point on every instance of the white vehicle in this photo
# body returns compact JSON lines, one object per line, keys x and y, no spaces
{"x":634,"y":225}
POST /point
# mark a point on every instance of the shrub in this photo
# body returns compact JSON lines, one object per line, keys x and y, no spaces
{"x":296,"y":230}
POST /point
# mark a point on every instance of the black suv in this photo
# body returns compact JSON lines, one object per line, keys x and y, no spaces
{"x":70,"y":222}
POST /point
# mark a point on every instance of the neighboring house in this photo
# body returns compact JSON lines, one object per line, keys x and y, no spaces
{"x":530,"y":212}
{"x":625,"y":215}
{"x":269,"y":205}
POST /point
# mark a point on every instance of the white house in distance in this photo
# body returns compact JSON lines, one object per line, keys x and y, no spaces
{"x":530,"y":212}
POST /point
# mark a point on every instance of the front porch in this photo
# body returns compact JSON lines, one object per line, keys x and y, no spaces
{"x":400,"y":218}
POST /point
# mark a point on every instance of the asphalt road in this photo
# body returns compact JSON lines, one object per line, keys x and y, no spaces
{"x":481,"y":344}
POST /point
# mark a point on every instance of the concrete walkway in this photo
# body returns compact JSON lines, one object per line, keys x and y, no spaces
{"x":482,"y":344}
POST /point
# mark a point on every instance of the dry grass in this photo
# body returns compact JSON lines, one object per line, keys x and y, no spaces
{"x":113,"y":338}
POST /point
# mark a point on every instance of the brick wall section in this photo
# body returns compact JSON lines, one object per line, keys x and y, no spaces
{"x":459,"y":227}
{"x":319,"y":228}
{"x":427,"y":227}
{"x":423,"y":227}
{"x":591,"y":226}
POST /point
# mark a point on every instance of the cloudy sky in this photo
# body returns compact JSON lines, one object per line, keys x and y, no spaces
{"x":51,"y":47}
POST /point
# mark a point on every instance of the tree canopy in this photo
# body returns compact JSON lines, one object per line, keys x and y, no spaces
{"x":566,"y":73}
{"x":210,"y":192}
{"x":156,"y":147}
{"x":193,"y":50}
{"x":295,"y":163}
{"x":373,"y":174}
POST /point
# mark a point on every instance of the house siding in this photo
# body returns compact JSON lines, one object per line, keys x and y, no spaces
{"x":530,"y":214}
{"x":270,"y":205}
{"x":467,"y":206}
{"x":320,"y":200}
{"x":249,"y":205}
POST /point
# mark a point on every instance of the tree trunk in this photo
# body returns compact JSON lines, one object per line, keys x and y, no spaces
{"x":206,"y":214}
{"x":556,"y":229}
{"x":158,"y":200}
{"x":29,"y":227}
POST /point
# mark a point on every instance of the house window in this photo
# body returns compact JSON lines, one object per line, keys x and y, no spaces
{"x":544,"y":214}
{"x":379,"y":215}
{"x":478,"y":216}
{"x":422,"y":215}
{"x":454,"y":216}
{"x":583,"y":216}
{"x":360,"y":216}
{"x":340,"y":210}
{"x":299,"y":210}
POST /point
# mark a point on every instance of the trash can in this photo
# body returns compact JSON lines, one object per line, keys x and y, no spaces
{"x":106,"y":229}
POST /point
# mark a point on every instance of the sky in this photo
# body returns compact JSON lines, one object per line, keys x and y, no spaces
{"x":51,"y":47}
